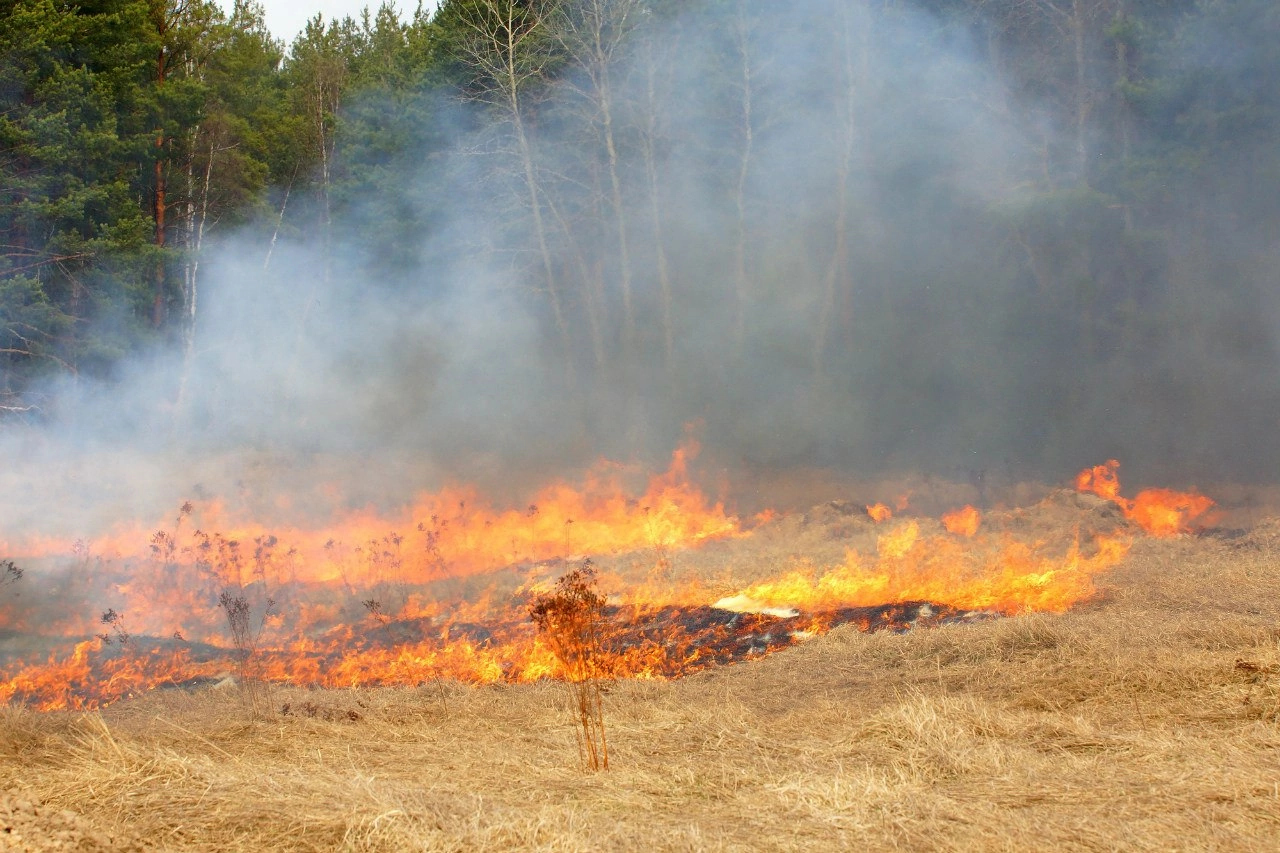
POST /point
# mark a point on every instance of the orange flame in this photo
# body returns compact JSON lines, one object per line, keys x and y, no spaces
{"x":879,"y":512}
{"x":963,"y":521}
{"x":1159,"y":512}
{"x":359,"y":602}
{"x":1009,"y":577}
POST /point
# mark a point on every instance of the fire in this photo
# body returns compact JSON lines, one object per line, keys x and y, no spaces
{"x":1101,"y":480}
{"x":1004,"y":576}
{"x":1159,"y":512}
{"x":963,"y":521}
{"x":454,"y":533}
{"x":879,"y":512}
{"x":440,"y":590}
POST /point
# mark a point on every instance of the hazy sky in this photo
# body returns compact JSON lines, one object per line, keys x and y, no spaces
{"x":286,"y":18}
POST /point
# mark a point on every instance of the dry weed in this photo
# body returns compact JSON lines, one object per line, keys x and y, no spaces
{"x":571,"y":621}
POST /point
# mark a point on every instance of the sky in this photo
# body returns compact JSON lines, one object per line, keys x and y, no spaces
{"x":286,"y":18}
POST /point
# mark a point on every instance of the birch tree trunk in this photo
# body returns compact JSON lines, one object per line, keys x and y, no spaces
{"x":503,"y":52}
{"x":847,"y":129}
{"x":649,"y":141}
{"x":747,"y":127}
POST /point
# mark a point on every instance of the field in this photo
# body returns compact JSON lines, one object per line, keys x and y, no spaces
{"x":1144,"y":718}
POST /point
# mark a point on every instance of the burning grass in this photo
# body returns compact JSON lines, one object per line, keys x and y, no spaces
{"x":1126,"y":723}
{"x":731,"y":600}
{"x":1146,"y":716}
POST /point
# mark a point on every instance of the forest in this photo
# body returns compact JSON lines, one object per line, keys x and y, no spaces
{"x":955,"y":232}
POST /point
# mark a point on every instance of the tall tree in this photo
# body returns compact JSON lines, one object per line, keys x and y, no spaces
{"x":318,"y":69}
{"x":180,"y":33}
{"x":229,"y":152}
{"x":656,"y":54}
{"x":851,"y":36}
{"x":510,"y":56}
{"x":592,"y":35}
{"x":75,"y":84}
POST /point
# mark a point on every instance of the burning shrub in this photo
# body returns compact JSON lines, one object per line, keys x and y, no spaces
{"x":245,"y":635}
{"x":119,"y":633}
{"x":571,"y":620}
{"x":9,"y":574}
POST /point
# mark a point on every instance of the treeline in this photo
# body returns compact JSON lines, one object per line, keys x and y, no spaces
{"x":843,"y":194}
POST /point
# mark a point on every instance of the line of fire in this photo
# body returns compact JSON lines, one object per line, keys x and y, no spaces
{"x":442,"y":590}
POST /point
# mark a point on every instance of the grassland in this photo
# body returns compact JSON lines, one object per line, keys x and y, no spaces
{"x":1145,"y":719}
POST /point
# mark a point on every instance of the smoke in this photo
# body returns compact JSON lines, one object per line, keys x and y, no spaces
{"x":830,"y":211}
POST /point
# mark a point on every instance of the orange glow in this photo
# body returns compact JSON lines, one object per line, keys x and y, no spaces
{"x":1101,"y":480}
{"x":454,"y":533}
{"x":1007,"y":576}
{"x":963,"y":521}
{"x":879,"y":512}
{"x":1159,"y":512}
{"x":440,"y":590}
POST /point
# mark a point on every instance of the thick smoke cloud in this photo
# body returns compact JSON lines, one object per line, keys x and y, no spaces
{"x":931,"y":334}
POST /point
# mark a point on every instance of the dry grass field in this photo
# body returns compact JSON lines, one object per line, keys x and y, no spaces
{"x":1145,"y":719}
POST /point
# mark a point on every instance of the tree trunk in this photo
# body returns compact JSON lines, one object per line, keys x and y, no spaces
{"x":740,"y":186}
{"x":159,"y":201}
{"x":1123,"y":116}
{"x":846,"y":111}
{"x":196,"y":225}
{"x":326,"y":224}
{"x":592,"y":285}
{"x":275,"y":233}
{"x":655,"y":204}
{"x":532,"y":186}
{"x":1082,"y":99}
{"x":619,"y":212}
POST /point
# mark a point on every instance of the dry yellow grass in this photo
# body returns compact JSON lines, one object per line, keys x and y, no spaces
{"x":1125,"y":724}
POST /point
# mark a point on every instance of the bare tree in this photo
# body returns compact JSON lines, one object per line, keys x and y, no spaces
{"x":592,"y":34}
{"x":749,"y":71}
{"x":1077,"y":26}
{"x":653,"y":57}
{"x":850,"y":42}
{"x":509,"y":52}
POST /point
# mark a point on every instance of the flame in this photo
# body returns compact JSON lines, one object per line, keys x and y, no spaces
{"x":440,"y":589}
{"x":879,"y":512}
{"x":963,"y":521}
{"x":1101,"y":480}
{"x":453,"y":534}
{"x":1006,"y":576}
{"x":1159,"y":512}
